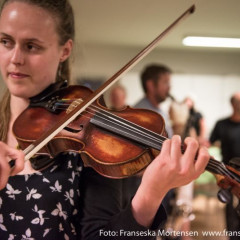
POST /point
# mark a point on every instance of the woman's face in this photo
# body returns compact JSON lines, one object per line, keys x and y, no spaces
{"x":29,"y":49}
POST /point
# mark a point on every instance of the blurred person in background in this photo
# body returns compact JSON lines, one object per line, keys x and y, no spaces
{"x":195,"y":125}
{"x":155,"y":81}
{"x":118,"y":97}
{"x":179,"y":114}
{"x":227,"y":132}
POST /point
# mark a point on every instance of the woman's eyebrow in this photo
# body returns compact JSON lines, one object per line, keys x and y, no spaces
{"x":26,"y":39}
{"x":33,"y":40}
{"x":5,"y":35}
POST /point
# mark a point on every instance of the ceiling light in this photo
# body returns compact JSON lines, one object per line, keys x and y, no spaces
{"x":211,"y":42}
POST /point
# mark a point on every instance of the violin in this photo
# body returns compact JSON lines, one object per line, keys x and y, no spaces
{"x":116,"y":144}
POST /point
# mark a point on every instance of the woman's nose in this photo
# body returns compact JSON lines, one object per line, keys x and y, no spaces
{"x":17,"y":56}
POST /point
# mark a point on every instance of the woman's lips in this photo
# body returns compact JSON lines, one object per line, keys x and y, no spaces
{"x":18,"y":75}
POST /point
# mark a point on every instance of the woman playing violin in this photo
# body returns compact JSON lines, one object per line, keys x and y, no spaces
{"x":67,"y":200}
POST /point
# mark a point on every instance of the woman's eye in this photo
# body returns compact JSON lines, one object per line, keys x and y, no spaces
{"x":32,"y":47}
{"x":6,"y":42}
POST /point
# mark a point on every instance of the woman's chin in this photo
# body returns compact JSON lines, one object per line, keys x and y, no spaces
{"x":21,"y":93}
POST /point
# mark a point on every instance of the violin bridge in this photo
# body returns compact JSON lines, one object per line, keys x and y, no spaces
{"x":73,"y":105}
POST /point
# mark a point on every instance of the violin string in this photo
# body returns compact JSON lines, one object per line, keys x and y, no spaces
{"x":215,"y":167}
{"x":127,"y":127}
{"x":224,"y":169}
{"x":106,"y":119}
{"x":119,"y":119}
{"x":212,"y":164}
{"x":130,"y":125}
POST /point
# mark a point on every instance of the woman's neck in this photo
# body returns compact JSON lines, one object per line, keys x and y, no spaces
{"x":17,"y":106}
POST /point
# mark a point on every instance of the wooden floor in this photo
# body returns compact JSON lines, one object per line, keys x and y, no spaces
{"x":209,"y":213}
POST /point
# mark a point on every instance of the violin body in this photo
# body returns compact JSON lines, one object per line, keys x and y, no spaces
{"x":110,"y":154}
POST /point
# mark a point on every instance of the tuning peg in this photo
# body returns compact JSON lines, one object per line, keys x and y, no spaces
{"x":224,"y":195}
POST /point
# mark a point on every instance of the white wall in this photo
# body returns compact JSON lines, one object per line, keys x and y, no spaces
{"x":104,"y":61}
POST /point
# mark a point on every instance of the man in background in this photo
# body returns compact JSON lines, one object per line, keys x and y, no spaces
{"x":227,"y":132}
{"x":155,"y":81}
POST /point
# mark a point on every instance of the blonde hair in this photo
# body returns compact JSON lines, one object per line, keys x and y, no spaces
{"x":4,"y":116}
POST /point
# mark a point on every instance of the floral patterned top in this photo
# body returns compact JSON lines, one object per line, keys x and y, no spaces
{"x":65,"y":201}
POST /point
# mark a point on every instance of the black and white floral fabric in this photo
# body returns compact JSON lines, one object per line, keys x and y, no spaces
{"x":43,"y":205}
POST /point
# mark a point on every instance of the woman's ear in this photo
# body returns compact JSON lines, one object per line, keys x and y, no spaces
{"x":66,"y":50}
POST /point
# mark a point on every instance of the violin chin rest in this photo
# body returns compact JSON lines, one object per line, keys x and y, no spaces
{"x":42,"y":161}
